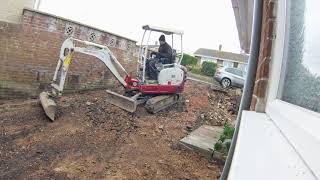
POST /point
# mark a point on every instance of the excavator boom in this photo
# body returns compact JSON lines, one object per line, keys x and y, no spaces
{"x":68,"y":48}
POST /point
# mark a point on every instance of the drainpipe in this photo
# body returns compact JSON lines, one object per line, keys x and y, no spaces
{"x":249,"y":83}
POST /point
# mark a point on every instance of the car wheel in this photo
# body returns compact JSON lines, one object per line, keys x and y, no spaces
{"x":226,"y":82}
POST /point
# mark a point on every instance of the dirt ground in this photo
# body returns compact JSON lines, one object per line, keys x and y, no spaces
{"x":92,"y":139}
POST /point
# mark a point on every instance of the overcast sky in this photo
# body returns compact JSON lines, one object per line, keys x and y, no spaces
{"x":206,"y":23}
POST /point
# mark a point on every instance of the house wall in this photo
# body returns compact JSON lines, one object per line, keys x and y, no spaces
{"x":29,"y":53}
{"x":220,"y":62}
{"x":198,"y":60}
{"x":227,"y":63}
{"x":223,"y":63}
{"x":262,"y":77}
{"x":243,"y":67}
{"x":10,"y":10}
{"x":208,"y":59}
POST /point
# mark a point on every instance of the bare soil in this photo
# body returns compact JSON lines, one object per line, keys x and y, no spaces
{"x":92,"y":139}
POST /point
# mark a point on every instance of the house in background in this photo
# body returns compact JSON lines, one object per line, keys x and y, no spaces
{"x":222,"y":58}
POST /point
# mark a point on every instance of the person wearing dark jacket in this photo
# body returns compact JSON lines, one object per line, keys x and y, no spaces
{"x":164,"y":50}
{"x":164,"y":55}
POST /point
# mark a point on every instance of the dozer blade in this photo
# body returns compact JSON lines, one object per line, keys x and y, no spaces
{"x":126,"y":103}
{"x":48,"y":104}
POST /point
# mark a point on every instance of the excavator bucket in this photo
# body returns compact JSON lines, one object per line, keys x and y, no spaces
{"x":48,"y":104}
{"x":126,"y":103}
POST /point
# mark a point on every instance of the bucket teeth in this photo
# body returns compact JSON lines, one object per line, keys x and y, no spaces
{"x":48,"y":104}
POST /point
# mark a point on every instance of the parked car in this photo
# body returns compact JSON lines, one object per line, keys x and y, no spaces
{"x":228,"y":77}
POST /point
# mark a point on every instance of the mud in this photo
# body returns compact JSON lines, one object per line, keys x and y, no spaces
{"x":92,"y":139}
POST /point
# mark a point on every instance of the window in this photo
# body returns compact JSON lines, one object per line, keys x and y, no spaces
{"x":243,"y":67}
{"x":235,"y":71}
{"x":291,"y":95}
{"x":227,"y":64}
{"x":235,"y":65}
{"x":301,"y":84}
{"x":230,"y":70}
{"x":238,"y":72}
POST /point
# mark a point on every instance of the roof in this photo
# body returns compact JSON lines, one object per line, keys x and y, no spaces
{"x":163,"y":30}
{"x":222,"y":54}
{"x":243,"y":13}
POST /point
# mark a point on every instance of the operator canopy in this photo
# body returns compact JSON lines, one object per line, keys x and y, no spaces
{"x":163,"y":30}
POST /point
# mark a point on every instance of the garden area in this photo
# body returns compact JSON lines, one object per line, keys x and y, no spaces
{"x":204,"y":72}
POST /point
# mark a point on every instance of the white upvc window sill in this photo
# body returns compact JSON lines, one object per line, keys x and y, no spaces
{"x":301,"y":127}
{"x":263,"y":152}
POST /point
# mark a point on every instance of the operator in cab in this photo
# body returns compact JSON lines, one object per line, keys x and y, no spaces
{"x":164,"y":51}
{"x":164,"y":55}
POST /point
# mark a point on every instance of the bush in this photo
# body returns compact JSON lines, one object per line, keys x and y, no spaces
{"x":228,"y":131}
{"x":208,"y":68}
{"x":224,"y":142}
{"x":188,"y":60}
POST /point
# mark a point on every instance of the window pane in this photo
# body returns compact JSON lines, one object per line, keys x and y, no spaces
{"x":238,"y":72}
{"x":302,"y":78}
{"x":235,"y":65}
{"x":227,"y":63}
{"x":243,"y":67}
{"x":230,"y":70}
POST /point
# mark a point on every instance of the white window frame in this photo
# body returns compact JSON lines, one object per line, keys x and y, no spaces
{"x":300,"y":126}
{"x":228,"y":64}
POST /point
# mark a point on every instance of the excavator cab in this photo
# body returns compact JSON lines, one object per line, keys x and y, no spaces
{"x":146,"y":48}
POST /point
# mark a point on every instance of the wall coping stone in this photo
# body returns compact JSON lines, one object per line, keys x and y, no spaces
{"x":76,"y":22}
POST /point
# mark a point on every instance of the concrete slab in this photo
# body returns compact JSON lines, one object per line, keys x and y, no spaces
{"x":202,"y":139}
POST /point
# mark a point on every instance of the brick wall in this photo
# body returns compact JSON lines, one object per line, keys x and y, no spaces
{"x":29,"y":53}
{"x":262,"y":77}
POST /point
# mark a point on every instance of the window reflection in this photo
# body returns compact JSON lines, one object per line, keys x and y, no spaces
{"x":302,"y":75}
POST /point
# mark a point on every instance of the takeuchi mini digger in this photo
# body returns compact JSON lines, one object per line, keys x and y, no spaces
{"x":157,"y":94}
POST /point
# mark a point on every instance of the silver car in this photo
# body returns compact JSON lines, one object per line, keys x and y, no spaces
{"x":228,"y":77}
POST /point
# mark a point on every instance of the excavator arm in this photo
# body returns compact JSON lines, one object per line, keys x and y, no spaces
{"x":68,"y":48}
{"x":102,"y":53}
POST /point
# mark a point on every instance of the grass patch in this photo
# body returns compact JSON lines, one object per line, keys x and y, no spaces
{"x":224,"y":142}
{"x":196,"y":70}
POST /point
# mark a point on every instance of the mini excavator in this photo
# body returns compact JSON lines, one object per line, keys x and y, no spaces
{"x":156,"y":94}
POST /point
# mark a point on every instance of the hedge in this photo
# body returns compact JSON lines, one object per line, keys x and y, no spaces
{"x":208,"y":68}
{"x":188,"y":60}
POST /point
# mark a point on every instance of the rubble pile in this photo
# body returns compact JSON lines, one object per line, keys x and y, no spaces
{"x":223,"y":107}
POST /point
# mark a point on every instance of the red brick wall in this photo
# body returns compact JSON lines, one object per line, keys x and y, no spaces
{"x":29,"y":53}
{"x":262,"y":77}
